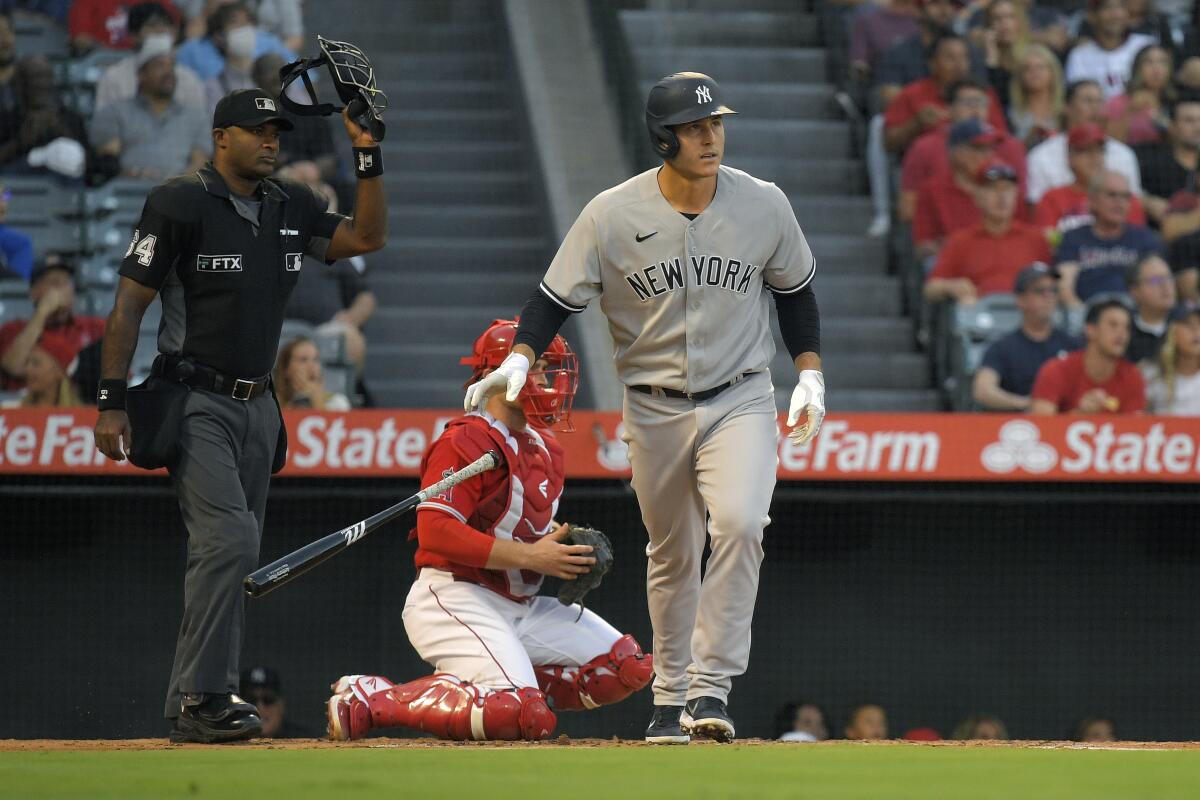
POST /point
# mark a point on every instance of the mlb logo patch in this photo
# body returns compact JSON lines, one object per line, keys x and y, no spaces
{"x":264,"y":103}
{"x":292,"y":261}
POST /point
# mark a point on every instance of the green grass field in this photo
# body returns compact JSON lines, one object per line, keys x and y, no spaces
{"x":613,"y":773}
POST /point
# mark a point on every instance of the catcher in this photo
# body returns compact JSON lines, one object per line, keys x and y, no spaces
{"x":505,"y":659}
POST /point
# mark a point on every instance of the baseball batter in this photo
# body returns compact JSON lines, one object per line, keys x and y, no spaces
{"x":680,"y":257}
{"x":503,"y":657}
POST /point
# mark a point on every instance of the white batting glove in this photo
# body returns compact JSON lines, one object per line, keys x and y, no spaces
{"x":807,"y":398}
{"x":510,"y":375}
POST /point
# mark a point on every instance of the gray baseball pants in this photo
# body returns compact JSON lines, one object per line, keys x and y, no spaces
{"x":221,"y":479}
{"x":703,"y":470}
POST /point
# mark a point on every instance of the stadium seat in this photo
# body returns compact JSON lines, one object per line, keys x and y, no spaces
{"x":970,"y":330}
{"x":39,"y":35}
{"x":339,"y":380}
{"x":293,"y":328}
{"x":99,"y":301}
{"x":10,"y":399}
{"x":15,"y":308}
{"x":13,"y":287}
{"x":332,"y":348}
{"x":98,"y":273}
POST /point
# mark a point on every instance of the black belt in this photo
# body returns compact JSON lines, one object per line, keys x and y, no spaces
{"x":199,"y":376}
{"x":696,"y":397}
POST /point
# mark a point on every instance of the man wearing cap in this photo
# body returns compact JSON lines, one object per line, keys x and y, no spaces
{"x":52,"y":290}
{"x":1096,"y":379}
{"x":1047,"y":162}
{"x":1066,"y":207}
{"x":223,"y":246}
{"x":1093,"y":257}
{"x":928,"y":155}
{"x":152,"y":135}
{"x":261,"y":688}
{"x":1010,"y":364}
{"x":151,"y":28}
{"x":1152,"y":287}
{"x":986,"y":257}
{"x":946,"y":203}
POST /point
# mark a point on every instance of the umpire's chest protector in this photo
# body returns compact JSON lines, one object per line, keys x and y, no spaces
{"x":237,"y":277}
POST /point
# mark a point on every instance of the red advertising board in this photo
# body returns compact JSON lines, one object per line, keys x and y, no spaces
{"x":890,"y":447}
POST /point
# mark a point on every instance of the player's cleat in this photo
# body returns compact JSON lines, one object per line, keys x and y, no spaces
{"x":215,"y":718}
{"x":707,"y":717}
{"x":664,"y":726}
{"x":347,"y":714}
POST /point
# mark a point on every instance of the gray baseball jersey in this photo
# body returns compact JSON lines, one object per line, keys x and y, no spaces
{"x":684,"y":298}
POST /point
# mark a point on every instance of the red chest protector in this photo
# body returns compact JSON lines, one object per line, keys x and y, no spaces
{"x":517,"y":501}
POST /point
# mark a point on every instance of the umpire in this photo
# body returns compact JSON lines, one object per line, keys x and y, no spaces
{"x":223,"y":247}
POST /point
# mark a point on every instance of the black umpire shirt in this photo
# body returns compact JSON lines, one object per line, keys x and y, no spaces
{"x":225,"y":265}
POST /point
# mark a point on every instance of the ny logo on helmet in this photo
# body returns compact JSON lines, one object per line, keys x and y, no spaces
{"x":702,"y":94}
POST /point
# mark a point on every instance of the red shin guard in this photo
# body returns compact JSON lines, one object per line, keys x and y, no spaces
{"x":448,"y":708}
{"x":606,"y":679}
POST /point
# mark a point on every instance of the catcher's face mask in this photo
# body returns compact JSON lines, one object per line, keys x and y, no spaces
{"x":353,"y":78}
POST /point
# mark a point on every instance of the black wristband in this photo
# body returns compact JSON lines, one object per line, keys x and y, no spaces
{"x":368,"y":162}
{"x":111,"y":395}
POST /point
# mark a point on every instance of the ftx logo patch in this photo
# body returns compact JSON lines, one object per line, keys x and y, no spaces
{"x":218,"y":263}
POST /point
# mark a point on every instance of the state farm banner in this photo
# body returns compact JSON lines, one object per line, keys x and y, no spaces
{"x":888,"y":447}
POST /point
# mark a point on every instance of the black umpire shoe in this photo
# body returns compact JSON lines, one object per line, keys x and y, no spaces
{"x":664,"y":726}
{"x":707,"y":717}
{"x":217,"y":718}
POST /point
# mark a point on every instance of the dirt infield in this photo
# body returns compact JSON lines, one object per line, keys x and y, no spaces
{"x":91,"y":745}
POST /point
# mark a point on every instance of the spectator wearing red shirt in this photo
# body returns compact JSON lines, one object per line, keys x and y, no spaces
{"x":921,"y":105}
{"x":104,"y":23}
{"x":1097,"y":379}
{"x":1065,"y":207}
{"x":54,"y":324}
{"x":967,"y":99}
{"x":986,"y":258}
{"x":946,"y":203}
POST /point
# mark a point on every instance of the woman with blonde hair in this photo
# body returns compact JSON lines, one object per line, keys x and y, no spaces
{"x":1139,"y":115}
{"x":1035,"y":104}
{"x":47,"y":378}
{"x":1173,"y":379}
{"x":1005,"y":38}
{"x":298,"y":379}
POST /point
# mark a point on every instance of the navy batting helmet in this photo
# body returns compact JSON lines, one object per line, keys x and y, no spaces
{"x":676,"y":99}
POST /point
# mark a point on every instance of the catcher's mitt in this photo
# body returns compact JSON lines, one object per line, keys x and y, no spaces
{"x":572,"y":592}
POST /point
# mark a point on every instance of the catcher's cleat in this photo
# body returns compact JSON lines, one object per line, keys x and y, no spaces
{"x":664,"y":726}
{"x":707,"y":717}
{"x":347,"y":715}
{"x":214,"y":719}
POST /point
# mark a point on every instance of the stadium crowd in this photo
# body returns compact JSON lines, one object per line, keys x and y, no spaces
{"x":802,"y":721}
{"x":1040,"y":158}
{"x":1004,"y":136}
{"x":161,"y":68}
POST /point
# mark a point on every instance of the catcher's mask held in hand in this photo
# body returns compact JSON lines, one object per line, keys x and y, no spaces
{"x":549,"y":391}
{"x":353,"y":77}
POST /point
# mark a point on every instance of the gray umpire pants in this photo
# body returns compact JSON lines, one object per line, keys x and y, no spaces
{"x":221,"y":479}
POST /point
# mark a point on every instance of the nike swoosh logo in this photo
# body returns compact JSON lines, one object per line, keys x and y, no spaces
{"x":641,"y":238}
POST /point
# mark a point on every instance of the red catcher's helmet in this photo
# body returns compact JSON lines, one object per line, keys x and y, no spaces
{"x":549,"y":392}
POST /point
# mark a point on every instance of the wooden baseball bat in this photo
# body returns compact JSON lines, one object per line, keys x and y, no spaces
{"x":295,"y":564}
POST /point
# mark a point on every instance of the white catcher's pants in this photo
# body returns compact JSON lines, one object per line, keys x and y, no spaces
{"x":488,"y":640}
{"x":703,"y":470}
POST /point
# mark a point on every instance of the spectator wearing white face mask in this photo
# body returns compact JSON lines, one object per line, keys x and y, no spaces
{"x":151,"y":27}
{"x":284,"y":18}
{"x":232,"y":34}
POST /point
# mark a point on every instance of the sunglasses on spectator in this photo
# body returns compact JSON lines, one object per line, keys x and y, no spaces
{"x":1045,"y":291}
{"x":1117,"y":195}
{"x":1158,"y":280}
{"x":264,"y":699}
